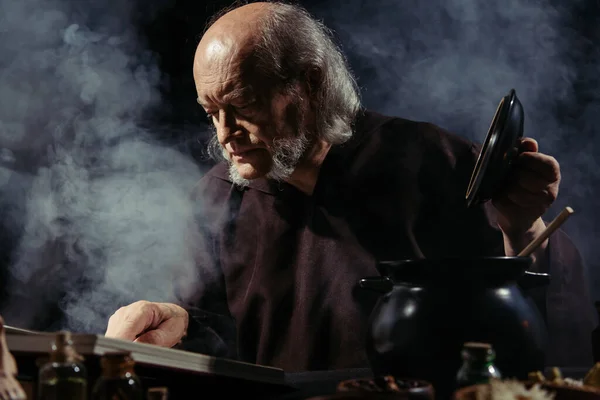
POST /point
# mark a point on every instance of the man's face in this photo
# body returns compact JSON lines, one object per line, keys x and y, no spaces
{"x":262,"y":132}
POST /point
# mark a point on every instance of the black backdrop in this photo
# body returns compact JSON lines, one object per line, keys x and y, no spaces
{"x":175,"y":32}
{"x":388,"y":45}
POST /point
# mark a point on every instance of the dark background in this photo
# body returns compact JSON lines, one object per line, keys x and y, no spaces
{"x":372,"y":33}
{"x":444,"y":61}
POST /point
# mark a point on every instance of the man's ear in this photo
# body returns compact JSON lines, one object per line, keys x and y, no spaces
{"x":313,"y":78}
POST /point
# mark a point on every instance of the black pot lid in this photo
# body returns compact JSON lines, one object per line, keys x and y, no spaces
{"x":500,"y":148}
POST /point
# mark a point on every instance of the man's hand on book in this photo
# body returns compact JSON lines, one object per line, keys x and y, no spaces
{"x":162,"y":324}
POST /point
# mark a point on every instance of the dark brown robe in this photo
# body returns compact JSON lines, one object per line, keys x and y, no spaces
{"x":290,"y":262}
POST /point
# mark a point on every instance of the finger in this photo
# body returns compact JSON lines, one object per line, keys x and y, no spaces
{"x":126,"y":323}
{"x":167,"y":334}
{"x":528,"y":145}
{"x":545,"y":165}
{"x":130,"y":321}
{"x":531,"y":181}
{"x":154,"y":336}
{"x":526,"y":199}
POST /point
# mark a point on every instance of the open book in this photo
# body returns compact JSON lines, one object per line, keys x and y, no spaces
{"x":32,"y":342}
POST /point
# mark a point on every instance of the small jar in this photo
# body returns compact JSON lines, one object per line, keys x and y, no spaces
{"x":478,"y":364}
{"x":64,"y":375}
{"x":118,"y":380}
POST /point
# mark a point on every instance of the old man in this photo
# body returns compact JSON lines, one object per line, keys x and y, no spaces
{"x":314,"y":190}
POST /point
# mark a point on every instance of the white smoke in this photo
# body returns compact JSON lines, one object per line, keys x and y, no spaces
{"x":451,"y":61}
{"x":103,"y":207}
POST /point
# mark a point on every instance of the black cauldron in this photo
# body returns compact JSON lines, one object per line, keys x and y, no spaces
{"x":429,"y":308}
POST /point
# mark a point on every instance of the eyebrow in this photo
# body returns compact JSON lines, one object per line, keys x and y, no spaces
{"x":239,"y":93}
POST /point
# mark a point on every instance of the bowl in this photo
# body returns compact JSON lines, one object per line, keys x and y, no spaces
{"x":387,"y":387}
{"x":561,"y":392}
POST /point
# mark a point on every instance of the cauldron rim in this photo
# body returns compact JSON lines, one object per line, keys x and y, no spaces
{"x":492,"y":270}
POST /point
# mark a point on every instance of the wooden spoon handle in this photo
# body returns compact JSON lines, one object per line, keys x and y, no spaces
{"x":552,"y":226}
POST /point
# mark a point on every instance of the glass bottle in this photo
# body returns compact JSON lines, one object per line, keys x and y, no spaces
{"x":478,"y":364}
{"x":64,"y":375}
{"x":118,"y":380}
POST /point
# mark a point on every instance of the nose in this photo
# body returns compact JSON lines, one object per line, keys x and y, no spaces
{"x":227,"y":127}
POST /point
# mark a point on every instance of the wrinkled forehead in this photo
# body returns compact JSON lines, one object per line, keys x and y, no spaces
{"x":223,"y":58}
{"x":226,"y":68}
{"x":217,"y":55}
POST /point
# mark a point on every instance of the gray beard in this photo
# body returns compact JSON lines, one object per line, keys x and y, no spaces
{"x":286,"y":153}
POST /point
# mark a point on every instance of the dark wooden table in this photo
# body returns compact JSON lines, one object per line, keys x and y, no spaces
{"x":308,"y":384}
{"x":185,"y":386}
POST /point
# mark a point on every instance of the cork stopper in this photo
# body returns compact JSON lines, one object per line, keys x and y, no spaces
{"x":63,"y":349}
{"x":478,"y":351}
{"x":157,"y":393}
{"x":117,"y":364}
{"x":477,"y":346}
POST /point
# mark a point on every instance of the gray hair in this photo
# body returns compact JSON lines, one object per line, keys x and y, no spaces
{"x":295,"y":47}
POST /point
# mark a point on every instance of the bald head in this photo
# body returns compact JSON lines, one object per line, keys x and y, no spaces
{"x":266,"y":71}
{"x":233,"y":36}
{"x":245,"y":16}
